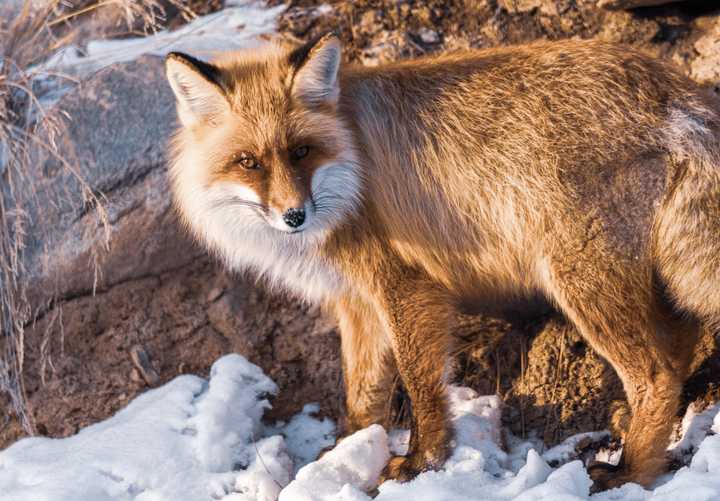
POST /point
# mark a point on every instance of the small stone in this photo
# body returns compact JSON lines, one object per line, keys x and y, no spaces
{"x":706,"y":67}
{"x":428,"y":36}
{"x":135,"y":376}
{"x":141,"y":360}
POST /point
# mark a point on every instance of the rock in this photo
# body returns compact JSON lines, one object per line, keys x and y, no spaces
{"x":706,"y":67}
{"x":214,"y":294}
{"x":631,"y":4}
{"x":120,"y":122}
{"x":141,"y":361}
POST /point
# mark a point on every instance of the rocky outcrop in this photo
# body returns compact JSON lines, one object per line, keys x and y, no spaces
{"x":118,"y":128}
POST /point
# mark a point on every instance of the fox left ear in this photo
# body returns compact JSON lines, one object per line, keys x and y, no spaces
{"x":197,"y":87}
{"x":316,"y":79}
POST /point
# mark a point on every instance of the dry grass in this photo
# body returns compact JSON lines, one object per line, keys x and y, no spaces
{"x":29,"y":34}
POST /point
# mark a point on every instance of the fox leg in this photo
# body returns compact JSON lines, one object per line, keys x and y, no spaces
{"x":368,"y":368}
{"x":613,"y":304}
{"x":419,"y":317}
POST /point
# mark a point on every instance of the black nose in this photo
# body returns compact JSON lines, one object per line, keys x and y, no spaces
{"x":294,"y":217}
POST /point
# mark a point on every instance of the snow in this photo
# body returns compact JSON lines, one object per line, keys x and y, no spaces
{"x":240,"y":24}
{"x":181,"y":441}
{"x":196,"y":439}
{"x":694,"y":427}
{"x":305,"y":436}
{"x":565,"y":450}
{"x":345,"y":472}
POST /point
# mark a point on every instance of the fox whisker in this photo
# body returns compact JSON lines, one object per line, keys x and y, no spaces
{"x":236,"y":201}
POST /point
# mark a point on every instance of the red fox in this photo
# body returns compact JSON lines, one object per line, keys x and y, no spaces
{"x":581,"y":171}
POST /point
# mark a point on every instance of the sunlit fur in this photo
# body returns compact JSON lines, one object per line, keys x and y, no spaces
{"x":228,"y":215}
{"x":582,"y":171}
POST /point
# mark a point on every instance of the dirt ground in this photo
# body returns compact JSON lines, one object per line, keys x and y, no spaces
{"x":80,"y":356}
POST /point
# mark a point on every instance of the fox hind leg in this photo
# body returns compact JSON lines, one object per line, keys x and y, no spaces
{"x":614,"y":305}
{"x":687,"y":240}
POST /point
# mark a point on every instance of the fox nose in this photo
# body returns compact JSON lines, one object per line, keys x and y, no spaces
{"x":294,"y":217}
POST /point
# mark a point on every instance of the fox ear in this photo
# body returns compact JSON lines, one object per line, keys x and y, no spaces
{"x":317,"y":63}
{"x":197,"y":88}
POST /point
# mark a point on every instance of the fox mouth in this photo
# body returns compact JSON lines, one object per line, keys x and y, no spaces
{"x":270,"y":216}
{"x":286,"y":229}
{"x":274,"y":220}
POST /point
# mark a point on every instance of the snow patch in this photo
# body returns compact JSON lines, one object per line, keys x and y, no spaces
{"x":240,"y":24}
{"x":201,"y":440}
{"x":693,"y":429}
{"x":352,"y":467}
{"x":184,"y":440}
{"x":227,"y":418}
{"x":305,"y":435}
{"x":568,"y":448}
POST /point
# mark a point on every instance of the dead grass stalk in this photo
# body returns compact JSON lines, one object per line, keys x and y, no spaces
{"x":30,"y":33}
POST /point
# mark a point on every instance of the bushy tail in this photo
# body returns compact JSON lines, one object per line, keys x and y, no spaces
{"x":687,"y":227}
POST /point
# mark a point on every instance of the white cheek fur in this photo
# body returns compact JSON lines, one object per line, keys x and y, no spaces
{"x":247,"y":238}
{"x":246,"y":193}
{"x":336,"y":191}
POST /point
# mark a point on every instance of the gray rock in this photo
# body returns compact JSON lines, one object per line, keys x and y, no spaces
{"x":119,"y":124}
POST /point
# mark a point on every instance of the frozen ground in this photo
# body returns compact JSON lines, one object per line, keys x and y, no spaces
{"x":198,"y":440}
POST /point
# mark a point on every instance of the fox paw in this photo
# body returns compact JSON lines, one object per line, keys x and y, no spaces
{"x":406,"y":468}
{"x":607,"y":476}
{"x":400,"y":468}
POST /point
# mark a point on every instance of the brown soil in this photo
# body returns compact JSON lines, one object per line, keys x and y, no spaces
{"x":552,"y":383}
{"x":184,"y":320}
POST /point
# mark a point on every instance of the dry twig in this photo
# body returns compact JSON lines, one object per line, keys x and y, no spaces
{"x":28,"y":36}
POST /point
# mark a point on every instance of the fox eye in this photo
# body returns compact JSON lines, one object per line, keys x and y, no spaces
{"x":247,"y":161}
{"x":300,"y":152}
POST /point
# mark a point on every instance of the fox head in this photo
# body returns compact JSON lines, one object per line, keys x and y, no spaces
{"x":262,"y":151}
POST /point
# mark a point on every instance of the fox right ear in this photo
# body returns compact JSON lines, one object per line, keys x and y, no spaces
{"x":197,"y":89}
{"x":316,"y":77}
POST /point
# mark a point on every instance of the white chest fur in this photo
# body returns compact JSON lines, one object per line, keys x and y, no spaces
{"x":289,"y":262}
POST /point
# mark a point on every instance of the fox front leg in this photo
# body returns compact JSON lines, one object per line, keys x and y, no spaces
{"x":368,"y":366}
{"x":420,"y":317}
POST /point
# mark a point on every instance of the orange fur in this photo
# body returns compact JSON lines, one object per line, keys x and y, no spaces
{"x":583,"y":171}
